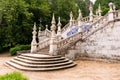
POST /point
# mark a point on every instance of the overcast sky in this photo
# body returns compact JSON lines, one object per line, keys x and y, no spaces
{"x":93,"y":0}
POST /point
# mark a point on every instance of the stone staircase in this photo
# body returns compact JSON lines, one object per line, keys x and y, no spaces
{"x":40,"y":62}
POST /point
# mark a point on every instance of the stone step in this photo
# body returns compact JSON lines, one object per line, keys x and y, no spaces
{"x":40,"y":56}
{"x":36,"y":59}
{"x":40,"y":62}
{"x":39,"y":69}
{"x":40,"y":65}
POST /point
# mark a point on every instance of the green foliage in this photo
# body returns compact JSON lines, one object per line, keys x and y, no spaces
{"x":105,"y":10}
{"x":104,"y":5}
{"x":13,"y":76}
{"x":17,"y":16}
{"x":13,"y":51}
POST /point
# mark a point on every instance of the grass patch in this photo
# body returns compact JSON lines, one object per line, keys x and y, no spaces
{"x":13,"y":76}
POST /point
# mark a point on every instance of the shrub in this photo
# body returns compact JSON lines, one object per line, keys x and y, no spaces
{"x":13,"y":51}
{"x":13,"y":76}
{"x":25,"y":47}
{"x":1,"y":49}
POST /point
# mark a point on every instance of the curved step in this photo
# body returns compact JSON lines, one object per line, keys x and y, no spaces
{"x":36,"y":59}
{"x":39,"y":65}
{"x":40,"y":56}
{"x":40,"y":62}
{"x":39,"y":69}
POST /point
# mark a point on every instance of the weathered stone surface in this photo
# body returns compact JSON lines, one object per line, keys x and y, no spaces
{"x":104,"y":43}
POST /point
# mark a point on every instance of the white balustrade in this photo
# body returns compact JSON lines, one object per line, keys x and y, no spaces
{"x":48,"y":33}
{"x":44,"y":43}
{"x":117,"y":14}
{"x":68,"y":40}
{"x":95,"y":26}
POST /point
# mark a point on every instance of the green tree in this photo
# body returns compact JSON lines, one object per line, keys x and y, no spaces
{"x":104,"y":5}
{"x":15,"y":18}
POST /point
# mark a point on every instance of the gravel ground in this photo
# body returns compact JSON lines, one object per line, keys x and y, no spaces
{"x":85,"y":70}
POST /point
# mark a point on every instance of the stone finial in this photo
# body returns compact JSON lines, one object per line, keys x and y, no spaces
{"x":80,"y":14}
{"x":111,"y":7}
{"x":53,"y":27}
{"x":39,"y":32}
{"x":114,"y":7}
{"x":91,"y":13}
{"x":99,"y":10}
{"x":59,"y":23}
{"x":71,"y":15}
{"x":71,"y":18}
{"x":39,"y":29}
{"x":91,"y":7}
{"x":34,"y":28}
{"x":53,"y":19}
{"x":59,"y":27}
{"x":46,"y":26}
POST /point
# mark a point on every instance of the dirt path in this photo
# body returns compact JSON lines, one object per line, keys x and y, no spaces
{"x":85,"y":70}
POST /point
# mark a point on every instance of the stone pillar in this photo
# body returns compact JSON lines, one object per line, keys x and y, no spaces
{"x":46,"y":27}
{"x":53,"y":45}
{"x":71,"y":18}
{"x":59,"y":29}
{"x":80,"y":21}
{"x":34,"y":42}
{"x":110,"y":14}
{"x":91,"y":13}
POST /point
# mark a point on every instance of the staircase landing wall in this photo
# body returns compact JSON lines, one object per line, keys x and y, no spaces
{"x":105,"y":43}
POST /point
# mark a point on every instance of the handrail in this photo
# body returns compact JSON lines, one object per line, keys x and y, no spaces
{"x":65,"y":27}
{"x":67,"y":40}
{"x":95,"y":25}
{"x":44,"y":43}
{"x":85,"y":19}
{"x":48,"y":33}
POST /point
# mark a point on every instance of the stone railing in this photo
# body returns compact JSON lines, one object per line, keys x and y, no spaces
{"x":65,"y":44}
{"x":94,"y":26}
{"x":42,"y":33}
{"x":68,"y":40}
{"x":48,"y":33}
{"x":117,"y":14}
{"x":87,"y":19}
{"x":65,"y":27}
{"x":100,"y":24}
{"x":44,"y":44}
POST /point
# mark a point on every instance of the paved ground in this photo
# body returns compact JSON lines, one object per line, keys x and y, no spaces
{"x":85,"y":70}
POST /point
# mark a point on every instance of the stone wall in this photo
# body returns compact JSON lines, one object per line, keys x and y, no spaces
{"x":103,"y":44}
